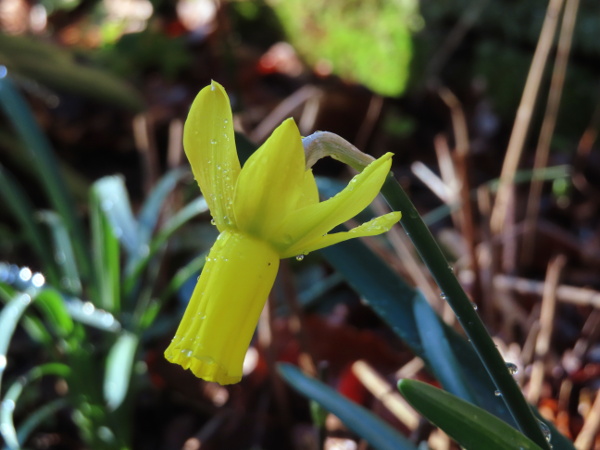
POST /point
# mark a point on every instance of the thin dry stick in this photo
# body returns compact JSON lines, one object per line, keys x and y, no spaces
{"x":564,"y":293}
{"x":461,"y":168}
{"x":284,"y":109}
{"x":144,"y":141}
{"x":486,"y":255}
{"x":591,"y":427}
{"x":371,"y":118}
{"x":524,"y":113}
{"x":174,"y":146}
{"x":414,"y":267}
{"x":543,"y":148}
{"x":542,"y":345}
{"x":386,"y":394}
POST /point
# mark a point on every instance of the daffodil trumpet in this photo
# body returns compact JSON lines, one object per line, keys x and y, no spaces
{"x":265,"y":211}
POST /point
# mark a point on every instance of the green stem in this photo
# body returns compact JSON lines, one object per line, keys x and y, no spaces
{"x":454,"y":294}
{"x":16,"y":110}
{"x":322,"y":144}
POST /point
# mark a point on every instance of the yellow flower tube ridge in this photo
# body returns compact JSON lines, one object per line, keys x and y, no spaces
{"x":265,"y":211}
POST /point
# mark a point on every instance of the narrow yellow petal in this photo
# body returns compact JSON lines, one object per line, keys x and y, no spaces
{"x":373,"y":227}
{"x":219,"y":322}
{"x":311,"y":222}
{"x":268,"y":186}
{"x":310,"y":191}
{"x":208,"y":140}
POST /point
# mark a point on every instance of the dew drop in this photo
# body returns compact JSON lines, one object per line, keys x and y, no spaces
{"x":213,"y":141}
{"x":212,"y":222}
{"x":545,"y":430}
{"x":443,"y":296}
{"x":212,"y":87}
{"x":25,"y":274}
{"x":299,"y":257}
{"x":38,"y":280}
{"x":512,"y":368}
{"x":497,"y":393}
{"x":88,"y":308}
{"x":474,"y":305}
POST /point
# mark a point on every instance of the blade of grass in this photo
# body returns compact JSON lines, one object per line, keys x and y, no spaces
{"x":9,"y":318}
{"x":119,"y":363}
{"x":440,"y":354}
{"x":393,"y":300}
{"x":41,"y":156}
{"x":111,"y":195}
{"x":7,"y":428}
{"x":358,"y":419}
{"x":469,"y":425}
{"x":18,"y":204}
{"x":191,"y":210}
{"x":106,"y":252}
{"x":148,"y":215}
{"x":63,"y":254}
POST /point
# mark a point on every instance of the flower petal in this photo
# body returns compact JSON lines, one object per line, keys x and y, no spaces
{"x":309,"y":189}
{"x":269,"y":185}
{"x":311,"y":222}
{"x":209,"y":144}
{"x":218,"y":324}
{"x":373,"y":227}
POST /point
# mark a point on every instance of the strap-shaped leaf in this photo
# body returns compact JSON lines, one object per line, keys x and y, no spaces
{"x":472,"y":427}
{"x":358,"y":419}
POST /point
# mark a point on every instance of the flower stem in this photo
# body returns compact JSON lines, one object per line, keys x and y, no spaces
{"x":322,"y":144}
{"x":437,"y":264}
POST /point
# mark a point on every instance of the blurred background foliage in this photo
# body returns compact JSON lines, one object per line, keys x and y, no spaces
{"x":96,"y":268}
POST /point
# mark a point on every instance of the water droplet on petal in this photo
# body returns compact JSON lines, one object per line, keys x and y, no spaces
{"x":299,"y":257}
{"x":497,"y":393}
{"x":474,"y":305}
{"x":212,"y":222}
{"x":512,"y":368}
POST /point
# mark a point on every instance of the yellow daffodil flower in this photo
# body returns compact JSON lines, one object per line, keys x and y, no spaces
{"x":265,"y":211}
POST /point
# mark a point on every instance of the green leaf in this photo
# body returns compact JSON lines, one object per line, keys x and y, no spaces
{"x":18,"y":204}
{"x":393,"y":300}
{"x":469,"y":425}
{"x":150,"y":212}
{"x":53,"y":306}
{"x":63,"y":254}
{"x":106,"y":249}
{"x":118,"y":369}
{"x":42,"y":158}
{"x":9,"y":402}
{"x":34,"y":60}
{"x":111,"y":195}
{"x":440,"y":355}
{"x":191,"y":210}
{"x":9,"y":318}
{"x":358,"y":419}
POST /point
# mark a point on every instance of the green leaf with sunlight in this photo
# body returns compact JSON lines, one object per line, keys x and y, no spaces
{"x":119,"y":364}
{"x":472,"y":427}
{"x":106,"y":251}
